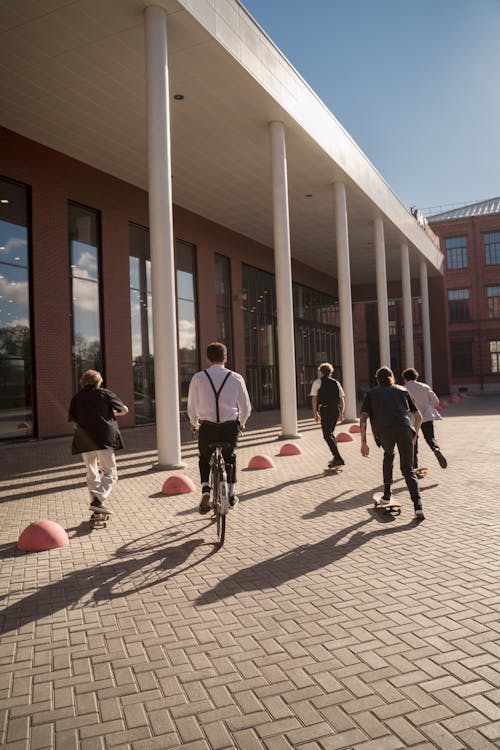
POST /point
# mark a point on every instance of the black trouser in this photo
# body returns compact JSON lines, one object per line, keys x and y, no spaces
{"x":329,"y":419}
{"x":428,"y":433}
{"x":218,"y":432}
{"x":401,"y":436}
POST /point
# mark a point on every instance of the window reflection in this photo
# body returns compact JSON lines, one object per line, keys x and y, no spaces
{"x":223,"y":309}
{"x":316,"y":317}
{"x":142,"y":324}
{"x":186,"y":313}
{"x":16,"y":402}
{"x":85,"y":293}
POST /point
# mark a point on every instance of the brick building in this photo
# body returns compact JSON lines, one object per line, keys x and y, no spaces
{"x":470,"y":241}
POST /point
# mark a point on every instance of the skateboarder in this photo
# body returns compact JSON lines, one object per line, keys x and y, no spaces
{"x":218,"y":407}
{"x":328,"y":407}
{"x":389,"y":406}
{"x":93,"y":413}
{"x":425,"y":400}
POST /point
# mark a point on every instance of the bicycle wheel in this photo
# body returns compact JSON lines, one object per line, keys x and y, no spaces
{"x":216,"y":502}
{"x":221,"y":502}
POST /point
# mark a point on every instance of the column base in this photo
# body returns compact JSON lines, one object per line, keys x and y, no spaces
{"x":167,"y":467}
{"x":288,"y":437}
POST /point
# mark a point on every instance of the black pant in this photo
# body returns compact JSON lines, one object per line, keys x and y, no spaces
{"x":428,"y":433}
{"x":329,"y":419}
{"x":222,"y":432}
{"x":401,"y":436}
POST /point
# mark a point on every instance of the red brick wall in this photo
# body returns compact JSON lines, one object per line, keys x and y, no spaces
{"x":476,"y":277}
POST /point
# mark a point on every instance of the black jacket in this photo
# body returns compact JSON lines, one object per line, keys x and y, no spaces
{"x":92,"y":410}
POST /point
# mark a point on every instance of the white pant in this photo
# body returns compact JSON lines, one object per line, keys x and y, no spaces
{"x":101,"y":472}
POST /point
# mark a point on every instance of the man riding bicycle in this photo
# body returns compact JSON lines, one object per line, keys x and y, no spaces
{"x":218,"y":408}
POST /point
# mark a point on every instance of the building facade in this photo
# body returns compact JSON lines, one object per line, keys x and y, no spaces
{"x":470,"y":242}
{"x":167,"y":179}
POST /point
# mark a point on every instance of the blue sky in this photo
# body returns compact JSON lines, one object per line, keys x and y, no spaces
{"x":417,"y":85}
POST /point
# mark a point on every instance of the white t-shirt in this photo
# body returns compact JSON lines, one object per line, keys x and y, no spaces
{"x":425,"y":399}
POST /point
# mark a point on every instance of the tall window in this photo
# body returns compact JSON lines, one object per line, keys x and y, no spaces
{"x":142,"y":324}
{"x":456,"y":252}
{"x":84,"y":245}
{"x":458,"y":305}
{"x":461,"y":358}
{"x":491,"y":242}
{"x":493,"y":301}
{"x":223,"y":302}
{"x":186,"y":312}
{"x":495,"y":355}
{"x":16,"y":402}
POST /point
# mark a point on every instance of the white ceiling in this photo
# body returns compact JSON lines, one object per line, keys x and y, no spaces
{"x":72,"y":78}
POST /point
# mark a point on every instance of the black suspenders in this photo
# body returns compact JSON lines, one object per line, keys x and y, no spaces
{"x":217,"y":393}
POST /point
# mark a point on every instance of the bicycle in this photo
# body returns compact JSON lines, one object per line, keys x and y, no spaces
{"x":220,"y":495}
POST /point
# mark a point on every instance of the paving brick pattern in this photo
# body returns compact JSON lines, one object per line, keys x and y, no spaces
{"x":321,"y":625}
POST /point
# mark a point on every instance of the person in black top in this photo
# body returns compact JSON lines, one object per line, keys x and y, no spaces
{"x":389,"y":407}
{"x":328,"y":407}
{"x":93,"y":411}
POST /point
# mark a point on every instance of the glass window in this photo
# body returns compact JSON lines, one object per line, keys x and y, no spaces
{"x":461,"y":358}
{"x":16,"y":392}
{"x":142,"y":324}
{"x":187,"y":314}
{"x":458,"y":305}
{"x":84,"y":246}
{"x":493,"y":293}
{"x":456,"y":252}
{"x":495,"y":355}
{"x":491,"y":242}
{"x":223,"y":302}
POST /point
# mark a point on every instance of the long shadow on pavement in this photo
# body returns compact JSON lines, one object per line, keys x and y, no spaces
{"x":101,"y":579}
{"x":299,"y":561}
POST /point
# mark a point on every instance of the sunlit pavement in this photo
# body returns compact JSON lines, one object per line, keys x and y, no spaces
{"x":321,"y":624}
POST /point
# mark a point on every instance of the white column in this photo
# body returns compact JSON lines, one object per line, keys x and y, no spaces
{"x":426,"y":322}
{"x":345,"y":301}
{"x":283,"y":268}
{"x":162,"y":240}
{"x":407,"y":310}
{"x":382,"y":302}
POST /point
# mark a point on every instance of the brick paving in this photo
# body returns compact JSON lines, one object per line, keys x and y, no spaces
{"x":321,"y":625}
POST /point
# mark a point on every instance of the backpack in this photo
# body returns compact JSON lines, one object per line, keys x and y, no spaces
{"x":329,"y":394}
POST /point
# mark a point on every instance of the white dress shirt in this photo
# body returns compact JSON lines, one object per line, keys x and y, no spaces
{"x":234,"y":402}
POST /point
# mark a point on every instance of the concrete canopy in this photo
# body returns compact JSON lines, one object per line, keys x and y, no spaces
{"x":74,"y":80}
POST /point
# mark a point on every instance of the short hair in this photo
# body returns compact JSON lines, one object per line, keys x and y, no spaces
{"x":410,"y":374}
{"x":91,"y":378}
{"x":216,"y":352}
{"x":385,"y":376}
{"x":325,"y":368}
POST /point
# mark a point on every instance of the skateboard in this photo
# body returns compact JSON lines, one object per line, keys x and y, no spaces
{"x":393,"y":507}
{"x":98,"y":520}
{"x":333,"y":469}
{"x":421,"y":472}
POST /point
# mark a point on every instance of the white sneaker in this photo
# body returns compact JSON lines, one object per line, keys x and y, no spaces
{"x":98,"y":507}
{"x":419,"y":515}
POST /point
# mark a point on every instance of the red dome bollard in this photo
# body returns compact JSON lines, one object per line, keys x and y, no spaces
{"x":261,"y":462}
{"x":454,"y":400}
{"x":354,"y":428}
{"x":42,"y":535}
{"x":343,"y":437}
{"x":462,"y":395}
{"x":443,"y":404}
{"x":290,"y":449}
{"x":178,"y":485}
